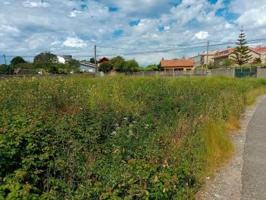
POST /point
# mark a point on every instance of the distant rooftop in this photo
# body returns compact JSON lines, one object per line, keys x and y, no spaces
{"x":177,"y":63}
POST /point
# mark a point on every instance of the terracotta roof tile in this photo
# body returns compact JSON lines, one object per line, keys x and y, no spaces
{"x":260,"y":50}
{"x":223,"y":53}
{"x":177,"y":63}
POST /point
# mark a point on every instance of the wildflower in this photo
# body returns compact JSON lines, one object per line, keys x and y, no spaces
{"x":147,"y":126}
{"x":114,"y":133}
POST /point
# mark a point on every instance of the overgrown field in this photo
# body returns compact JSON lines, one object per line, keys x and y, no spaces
{"x":115,"y":138}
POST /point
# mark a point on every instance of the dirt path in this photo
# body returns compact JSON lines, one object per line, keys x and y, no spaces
{"x":227,"y":182}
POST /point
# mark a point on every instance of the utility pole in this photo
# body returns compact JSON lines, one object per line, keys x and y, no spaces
{"x":95,"y":58}
{"x":207,"y":50}
{"x":4,"y":56}
{"x":9,"y":70}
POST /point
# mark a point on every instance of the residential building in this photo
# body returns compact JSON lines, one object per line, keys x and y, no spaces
{"x":87,"y":66}
{"x":61,"y":60}
{"x":64,"y":59}
{"x":262,"y":51}
{"x":103,"y":60}
{"x":223,"y":55}
{"x":67,"y":58}
{"x":178,"y":64}
{"x":208,"y":58}
{"x":204,"y":59}
{"x":197,"y":60}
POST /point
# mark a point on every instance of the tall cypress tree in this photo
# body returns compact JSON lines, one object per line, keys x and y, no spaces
{"x":241,"y":54}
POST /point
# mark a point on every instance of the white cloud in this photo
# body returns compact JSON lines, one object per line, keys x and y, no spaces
{"x":35,"y":4}
{"x":38,"y":41}
{"x":240,"y":6}
{"x":74,"y":13}
{"x":66,"y":27}
{"x":9,"y":29}
{"x":6,"y":3}
{"x":74,"y":42}
{"x":141,"y":7}
{"x":253,"y":18}
{"x":201,"y":35}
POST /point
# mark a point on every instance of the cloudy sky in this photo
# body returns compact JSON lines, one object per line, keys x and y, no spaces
{"x":146,"y":30}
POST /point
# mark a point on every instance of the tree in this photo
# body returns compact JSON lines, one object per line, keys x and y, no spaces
{"x":4,"y":69}
{"x":227,"y":62}
{"x":152,"y":67}
{"x":17,"y":60}
{"x":241,"y":54}
{"x":46,"y":61}
{"x":118,"y":63}
{"x":131,"y":66}
{"x":74,"y":64}
{"x":257,"y":61}
{"x":106,"y":67}
{"x":92,"y":60}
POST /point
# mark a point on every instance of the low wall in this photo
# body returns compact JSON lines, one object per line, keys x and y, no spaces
{"x":214,"y":72}
{"x":223,"y":72}
{"x":261,"y":72}
{"x":170,"y":73}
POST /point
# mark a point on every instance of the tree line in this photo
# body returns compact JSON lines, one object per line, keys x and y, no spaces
{"x":47,"y":62}
{"x":119,"y":64}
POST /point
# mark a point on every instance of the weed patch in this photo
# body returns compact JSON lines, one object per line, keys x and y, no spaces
{"x":117,"y":137}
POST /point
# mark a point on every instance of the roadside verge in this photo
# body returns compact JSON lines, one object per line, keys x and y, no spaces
{"x":226,"y":182}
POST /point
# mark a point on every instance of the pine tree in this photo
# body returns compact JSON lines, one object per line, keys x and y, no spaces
{"x":241,"y":54}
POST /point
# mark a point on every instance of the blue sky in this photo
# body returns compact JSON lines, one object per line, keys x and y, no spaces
{"x":146,"y":30}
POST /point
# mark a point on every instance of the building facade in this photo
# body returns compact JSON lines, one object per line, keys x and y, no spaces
{"x":178,"y":64}
{"x":222,"y":56}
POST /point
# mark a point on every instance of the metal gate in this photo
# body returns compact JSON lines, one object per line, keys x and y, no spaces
{"x":242,"y":72}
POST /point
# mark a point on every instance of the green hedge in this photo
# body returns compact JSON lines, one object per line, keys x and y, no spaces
{"x":114,"y":138}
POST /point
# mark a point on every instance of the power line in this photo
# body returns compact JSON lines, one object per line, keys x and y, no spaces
{"x":179,"y":47}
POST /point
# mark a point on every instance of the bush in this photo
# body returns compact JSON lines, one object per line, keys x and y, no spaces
{"x":5,"y":69}
{"x":150,"y":68}
{"x":131,"y":66}
{"x":17,"y":60}
{"x":114,"y":138}
{"x":45,"y":61}
{"x":106,"y":67}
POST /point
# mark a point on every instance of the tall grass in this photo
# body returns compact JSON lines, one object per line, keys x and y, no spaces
{"x":115,"y":138}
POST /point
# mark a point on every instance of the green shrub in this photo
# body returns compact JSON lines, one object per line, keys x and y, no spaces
{"x":114,"y":138}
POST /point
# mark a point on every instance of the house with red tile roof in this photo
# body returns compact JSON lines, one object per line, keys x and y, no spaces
{"x":178,"y":64}
{"x":262,"y":51}
{"x":223,"y":55}
{"x":204,"y":58}
{"x":102,"y":60}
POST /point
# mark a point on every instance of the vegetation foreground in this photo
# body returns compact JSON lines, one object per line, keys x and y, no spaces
{"x":115,"y":138}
